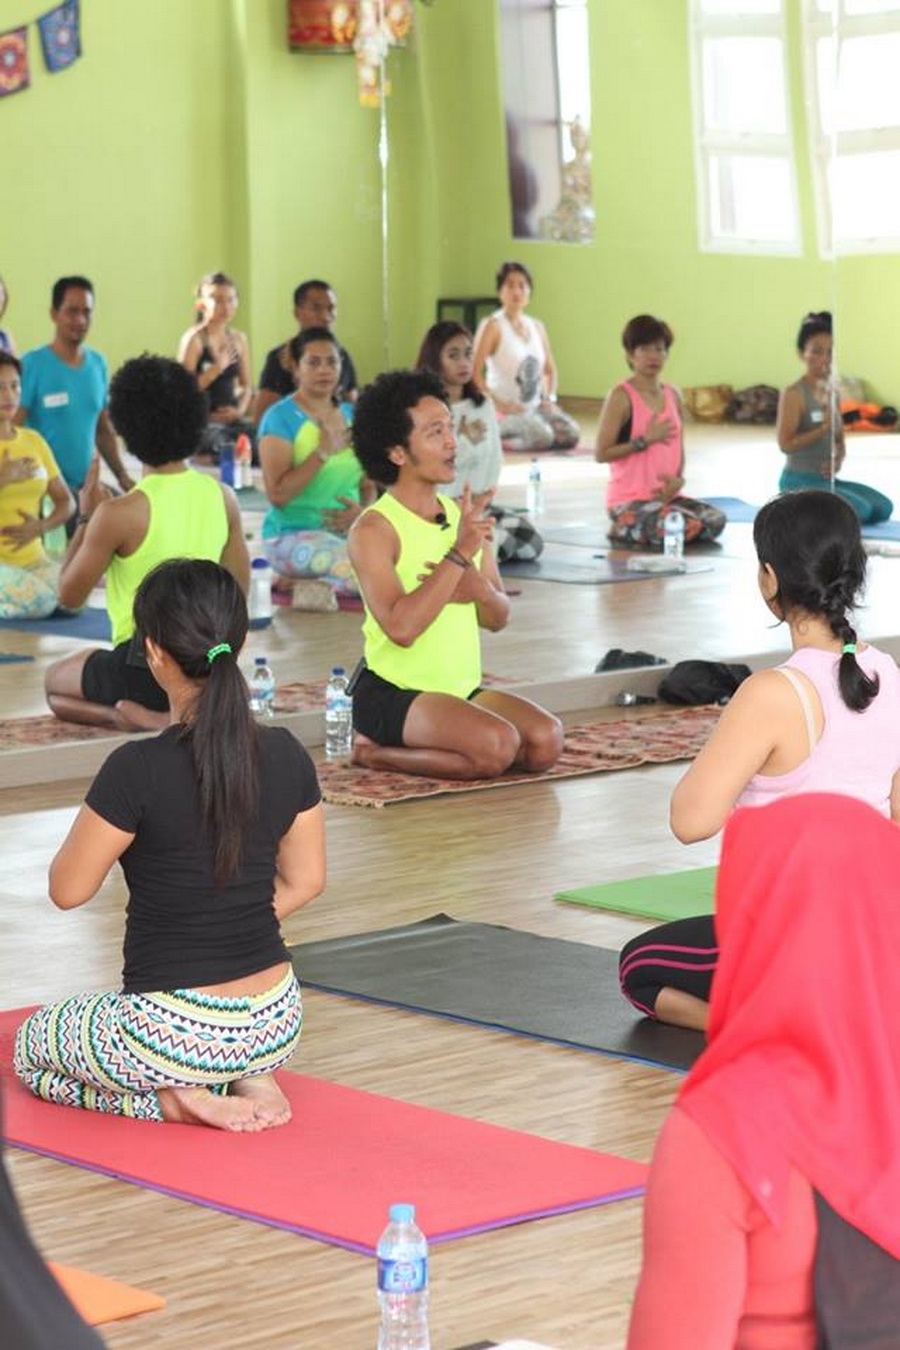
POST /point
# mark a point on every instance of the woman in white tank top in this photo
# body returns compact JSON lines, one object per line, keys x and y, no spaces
{"x":514,"y":360}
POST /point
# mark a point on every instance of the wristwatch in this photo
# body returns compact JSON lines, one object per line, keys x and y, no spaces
{"x":639,"y":442}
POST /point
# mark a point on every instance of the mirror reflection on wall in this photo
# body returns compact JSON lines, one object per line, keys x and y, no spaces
{"x":729,"y":165}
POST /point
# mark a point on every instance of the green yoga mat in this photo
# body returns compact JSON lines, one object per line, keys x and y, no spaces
{"x":673,"y":895}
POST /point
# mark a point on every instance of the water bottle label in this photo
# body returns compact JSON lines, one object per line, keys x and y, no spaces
{"x":402,"y":1277}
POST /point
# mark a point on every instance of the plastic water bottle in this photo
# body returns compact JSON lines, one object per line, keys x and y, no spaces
{"x":243,"y":461}
{"x":259,"y":601}
{"x":338,"y":716}
{"x":403,"y":1282}
{"x":673,"y":536}
{"x":534,"y":501}
{"x":262,"y":688}
{"x":226,"y":462}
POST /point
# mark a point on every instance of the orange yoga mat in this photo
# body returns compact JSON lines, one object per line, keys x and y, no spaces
{"x":332,"y":1172}
{"x":101,"y":1300}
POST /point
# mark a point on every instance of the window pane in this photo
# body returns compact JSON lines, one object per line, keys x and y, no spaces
{"x":573,"y":66}
{"x":826,"y":78}
{"x":872,"y":7}
{"x":751,"y":199}
{"x":865,"y":201}
{"x":868,"y":88}
{"x":743,"y":85}
{"x":740,"y":6}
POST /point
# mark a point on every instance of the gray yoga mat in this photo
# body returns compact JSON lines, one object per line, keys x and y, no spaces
{"x":547,"y":988}
{"x":578,"y":567}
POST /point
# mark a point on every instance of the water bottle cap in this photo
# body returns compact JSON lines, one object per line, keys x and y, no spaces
{"x":402,"y":1213}
{"x":260,"y":562}
{"x":261,"y":660}
{"x":338,"y":670}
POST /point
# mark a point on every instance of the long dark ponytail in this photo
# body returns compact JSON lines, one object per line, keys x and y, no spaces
{"x":811,"y":540}
{"x":195,"y":610}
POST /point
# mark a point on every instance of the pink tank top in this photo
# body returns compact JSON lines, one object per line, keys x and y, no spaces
{"x":636,"y":477}
{"x":858,"y":753}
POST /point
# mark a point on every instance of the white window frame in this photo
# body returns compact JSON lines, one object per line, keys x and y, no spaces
{"x":708,"y":143}
{"x":827,"y":148}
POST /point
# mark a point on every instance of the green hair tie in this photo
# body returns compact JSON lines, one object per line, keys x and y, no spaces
{"x":226,"y":647}
{"x":848,"y":649}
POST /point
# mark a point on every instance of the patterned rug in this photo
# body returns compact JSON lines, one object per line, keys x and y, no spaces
{"x":299,"y":696}
{"x":596,"y":747}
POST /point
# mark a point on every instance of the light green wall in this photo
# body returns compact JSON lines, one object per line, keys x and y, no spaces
{"x":734,"y":317}
{"x":114,"y":168}
{"x":188,"y":138}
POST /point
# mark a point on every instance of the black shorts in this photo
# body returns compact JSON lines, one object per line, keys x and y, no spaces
{"x":122,"y":673}
{"x":380,"y":708}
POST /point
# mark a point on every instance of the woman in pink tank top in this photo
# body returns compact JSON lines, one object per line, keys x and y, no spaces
{"x":640,"y":438}
{"x":826,"y":721}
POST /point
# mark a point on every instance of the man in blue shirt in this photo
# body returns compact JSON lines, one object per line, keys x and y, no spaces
{"x":64,"y":389}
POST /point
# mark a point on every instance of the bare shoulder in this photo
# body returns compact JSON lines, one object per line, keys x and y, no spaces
{"x":765,"y":690}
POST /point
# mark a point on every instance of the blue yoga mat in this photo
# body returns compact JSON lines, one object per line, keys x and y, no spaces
{"x":738,"y":511}
{"x":90,"y":624}
{"x":741,"y":512}
{"x":888,"y":529}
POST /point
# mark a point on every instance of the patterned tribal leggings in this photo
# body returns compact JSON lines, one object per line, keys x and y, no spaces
{"x":312,"y":554}
{"x":28,"y":592}
{"x":109,"y":1052}
{"x":642,"y":524}
{"x":679,"y":955}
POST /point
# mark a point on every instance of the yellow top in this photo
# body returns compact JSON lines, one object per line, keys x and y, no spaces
{"x":187,"y":520}
{"x":446,"y":658}
{"x":26,"y":495}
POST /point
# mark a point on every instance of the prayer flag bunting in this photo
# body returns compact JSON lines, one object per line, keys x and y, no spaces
{"x":14,"y":73}
{"x":60,"y":36}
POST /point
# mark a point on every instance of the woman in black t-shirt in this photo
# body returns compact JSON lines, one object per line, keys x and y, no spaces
{"x":219,"y":828}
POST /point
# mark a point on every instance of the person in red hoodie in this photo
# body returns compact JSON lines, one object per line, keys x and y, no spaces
{"x":772,"y":1219}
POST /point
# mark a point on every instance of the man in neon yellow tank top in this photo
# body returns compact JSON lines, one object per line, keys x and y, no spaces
{"x":429,"y":581}
{"x":173,"y":512}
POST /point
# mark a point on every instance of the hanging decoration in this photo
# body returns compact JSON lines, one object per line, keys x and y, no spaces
{"x":60,"y":30}
{"x":14,"y":72}
{"x":60,"y":36}
{"x":382,"y":24}
{"x":322,"y":25}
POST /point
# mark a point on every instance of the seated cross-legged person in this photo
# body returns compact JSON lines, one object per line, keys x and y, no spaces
{"x":641,"y":438}
{"x":429,"y":581}
{"x":28,"y":475}
{"x":173,"y":512}
{"x":315,"y":306}
{"x":827,"y":720}
{"x":312,"y":477}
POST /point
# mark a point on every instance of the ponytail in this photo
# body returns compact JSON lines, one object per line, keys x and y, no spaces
{"x":197,"y":613}
{"x":857,"y":688}
{"x":223,"y":738}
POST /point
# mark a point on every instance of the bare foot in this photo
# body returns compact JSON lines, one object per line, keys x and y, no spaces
{"x":363,"y":746}
{"x":270,"y":1104}
{"x":199,"y":1106}
{"x":132,"y":716}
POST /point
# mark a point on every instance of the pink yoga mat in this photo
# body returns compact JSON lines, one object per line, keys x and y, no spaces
{"x":332,"y":1172}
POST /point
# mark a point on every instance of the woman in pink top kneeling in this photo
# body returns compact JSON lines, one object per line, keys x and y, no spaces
{"x":772,"y":1219}
{"x":640,"y":438}
{"x":828,"y":720}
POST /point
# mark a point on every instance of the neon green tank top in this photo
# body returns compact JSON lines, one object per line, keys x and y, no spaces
{"x":446,"y":658}
{"x":187,"y":520}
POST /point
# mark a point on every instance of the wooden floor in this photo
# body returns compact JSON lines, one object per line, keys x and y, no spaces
{"x":568,"y":1281}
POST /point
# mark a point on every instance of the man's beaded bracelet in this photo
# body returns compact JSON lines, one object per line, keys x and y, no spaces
{"x":453,"y":555}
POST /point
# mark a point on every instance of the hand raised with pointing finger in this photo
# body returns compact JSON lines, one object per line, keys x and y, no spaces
{"x":474,"y":527}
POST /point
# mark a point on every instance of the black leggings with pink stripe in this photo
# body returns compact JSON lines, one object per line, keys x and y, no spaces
{"x":680,"y":955}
